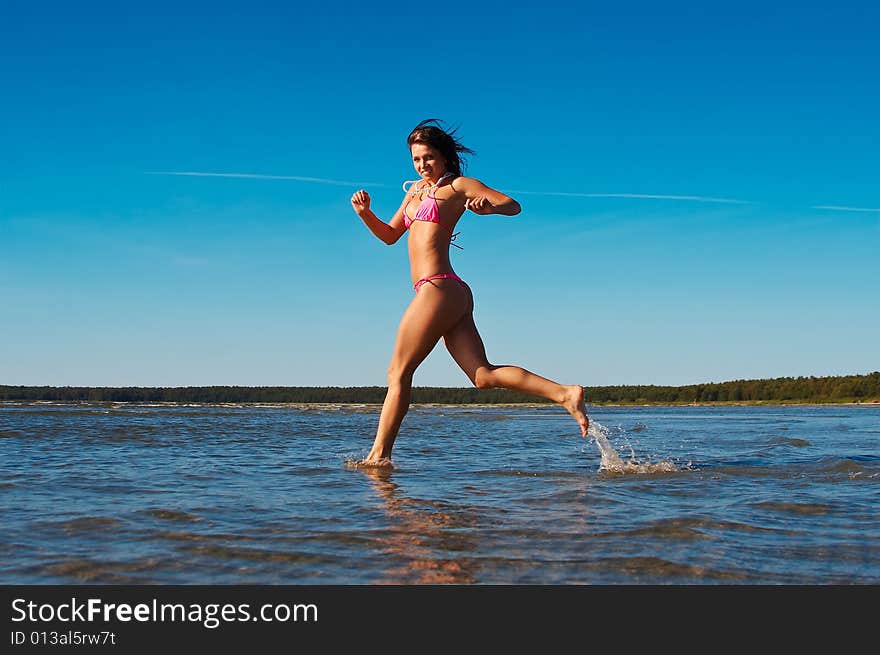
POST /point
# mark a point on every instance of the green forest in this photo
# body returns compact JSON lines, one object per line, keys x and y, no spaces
{"x":832,"y":389}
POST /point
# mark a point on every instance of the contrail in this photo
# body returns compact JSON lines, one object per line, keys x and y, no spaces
{"x":731,"y":201}
{"x":253,"y":176}
{"x":847,"y":209}
{"x":322,"y":180}
{"x":567,"y":194}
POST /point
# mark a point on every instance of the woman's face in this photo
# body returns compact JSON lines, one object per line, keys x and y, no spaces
{"x":428,"y":161}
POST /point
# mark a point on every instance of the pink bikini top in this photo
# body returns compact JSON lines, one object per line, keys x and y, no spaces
{"x":428,"y":212}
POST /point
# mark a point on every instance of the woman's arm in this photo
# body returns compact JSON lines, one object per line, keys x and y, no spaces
{"x":386,"y":232}
{"x":481,"y":199}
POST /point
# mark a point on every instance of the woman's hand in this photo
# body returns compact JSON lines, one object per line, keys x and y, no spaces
{"x":360,"y":202}
{"x":480,"y":205}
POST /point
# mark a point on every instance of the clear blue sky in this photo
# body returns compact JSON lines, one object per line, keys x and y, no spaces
{"x":112,"y":274}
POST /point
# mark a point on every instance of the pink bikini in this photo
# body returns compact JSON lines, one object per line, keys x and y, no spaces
{"x":438,"y":276}
{"x":428,"y":212}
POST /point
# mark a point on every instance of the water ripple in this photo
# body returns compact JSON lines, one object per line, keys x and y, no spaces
{"x":152,"y":493}
{"x":795,"y":508}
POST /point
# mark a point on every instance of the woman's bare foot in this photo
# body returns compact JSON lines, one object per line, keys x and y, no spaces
{"x":382,"y":462}
{"x":574,"y":403}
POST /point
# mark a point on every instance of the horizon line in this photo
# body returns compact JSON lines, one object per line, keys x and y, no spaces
{"x":375,"y":386}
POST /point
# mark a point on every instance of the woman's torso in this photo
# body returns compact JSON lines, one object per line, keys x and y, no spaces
{"x":429,"y":242}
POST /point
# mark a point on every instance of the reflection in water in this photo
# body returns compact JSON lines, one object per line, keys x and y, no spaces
{"x":419,"y":531}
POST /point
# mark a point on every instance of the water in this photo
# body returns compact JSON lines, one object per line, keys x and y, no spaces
{"x":140,"y":494}
{"x":613,"y":463}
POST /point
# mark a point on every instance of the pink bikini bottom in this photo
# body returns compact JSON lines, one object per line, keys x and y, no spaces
{"x":438,"y":276}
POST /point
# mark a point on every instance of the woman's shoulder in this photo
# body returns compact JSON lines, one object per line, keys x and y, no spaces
{"x":470,"y":185}
{"x":464,"y":182}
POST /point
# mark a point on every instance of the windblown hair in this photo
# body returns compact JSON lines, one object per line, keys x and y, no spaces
{"x":431,"y":132}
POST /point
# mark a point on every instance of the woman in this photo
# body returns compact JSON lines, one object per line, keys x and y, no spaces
{"x":443,"y":304}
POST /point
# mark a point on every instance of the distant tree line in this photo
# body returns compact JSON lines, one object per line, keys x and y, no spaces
{"x":834,"y":389}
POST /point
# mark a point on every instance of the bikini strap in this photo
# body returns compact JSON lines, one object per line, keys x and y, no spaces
{"x":407,"y":191}
{"x":442,"y":177}
{"x":412,"y":183}
{"x":433,"y":190}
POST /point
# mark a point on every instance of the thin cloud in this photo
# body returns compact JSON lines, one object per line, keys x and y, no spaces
{"x":565,"y":194}
{"x":847,"y":209}
{"x":323,"y":180}
{"x":641,"y":196}
{"x":253,"y":176}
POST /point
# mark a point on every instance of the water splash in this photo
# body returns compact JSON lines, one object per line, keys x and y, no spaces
{"x":612,"y":463}
{"x":352,"y":464}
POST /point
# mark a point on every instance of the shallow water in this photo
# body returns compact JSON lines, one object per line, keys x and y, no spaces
{"x":232,"y":494}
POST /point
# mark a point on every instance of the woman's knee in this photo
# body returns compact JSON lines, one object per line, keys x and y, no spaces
{"x":400,"y":376}
{"x":484,"y":377}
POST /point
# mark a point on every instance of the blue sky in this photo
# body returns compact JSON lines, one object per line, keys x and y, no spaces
{"x":699,"y":184}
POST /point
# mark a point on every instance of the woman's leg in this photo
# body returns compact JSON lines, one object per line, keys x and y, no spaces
{"x":437,"y":306}
{"x":466,"y":347}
